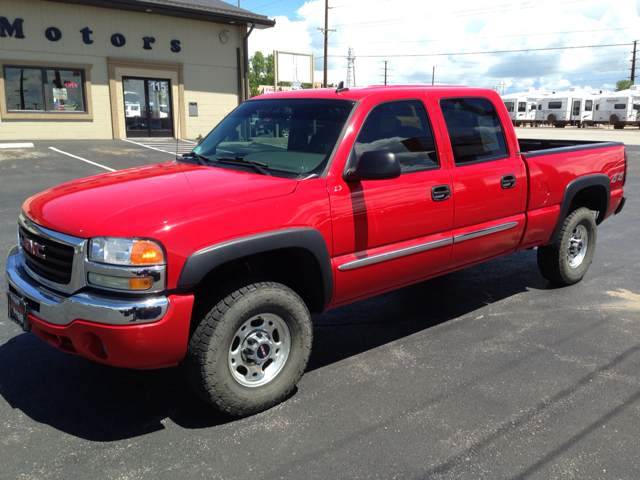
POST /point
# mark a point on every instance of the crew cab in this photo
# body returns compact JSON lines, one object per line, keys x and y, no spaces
{"x":215,"y":260}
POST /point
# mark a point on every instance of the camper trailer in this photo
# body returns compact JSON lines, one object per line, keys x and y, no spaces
{"x":573,"y":107}
{"x":522,"y":106}
{"x":619,"y":108}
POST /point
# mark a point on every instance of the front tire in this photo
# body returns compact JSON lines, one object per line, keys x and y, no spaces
{"x":566,"y":261}
{"x":249,"y":351}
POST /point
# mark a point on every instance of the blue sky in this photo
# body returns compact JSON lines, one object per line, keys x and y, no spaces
{"x":511,"y":44}
{"x":273,"y":8}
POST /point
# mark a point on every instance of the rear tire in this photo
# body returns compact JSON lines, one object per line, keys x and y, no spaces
{"x":566,"y":261}
{"x":249,"y":351}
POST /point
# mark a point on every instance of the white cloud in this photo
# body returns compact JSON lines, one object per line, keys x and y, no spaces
{"x":383,"y":29}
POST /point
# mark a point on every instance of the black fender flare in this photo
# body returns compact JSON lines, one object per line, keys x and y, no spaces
{"x":199,"y":263}
{"x":596,"y":179}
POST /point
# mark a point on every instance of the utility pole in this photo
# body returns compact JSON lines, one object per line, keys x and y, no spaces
{"x":326,"y":31}
{"x":433,"y":75}
{"x":633,"y":63}
{"x":385,"y":71}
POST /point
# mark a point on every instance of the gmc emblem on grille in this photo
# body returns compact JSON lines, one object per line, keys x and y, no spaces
{"x":34,"y":248}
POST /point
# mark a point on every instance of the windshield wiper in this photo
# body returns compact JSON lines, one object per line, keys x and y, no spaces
{"x":200,"y":159}
{"x":259,"y":166}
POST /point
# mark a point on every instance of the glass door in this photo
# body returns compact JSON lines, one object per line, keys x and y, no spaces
{"x":147,"y":105}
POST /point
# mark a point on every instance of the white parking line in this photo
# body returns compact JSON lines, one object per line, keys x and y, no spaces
{"x":147,"y":146}
{"x":83,"y":159}
{"x":166,"y":146}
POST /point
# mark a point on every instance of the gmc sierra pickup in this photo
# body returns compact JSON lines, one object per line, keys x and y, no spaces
{"x":215,"y":260}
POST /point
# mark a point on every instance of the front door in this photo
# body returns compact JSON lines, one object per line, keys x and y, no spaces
{"x":575,"y":113}
{"x":389,"y":233}
{"x":147,"y":107}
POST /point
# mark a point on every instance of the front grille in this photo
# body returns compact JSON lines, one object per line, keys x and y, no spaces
{"x":56,"y":266}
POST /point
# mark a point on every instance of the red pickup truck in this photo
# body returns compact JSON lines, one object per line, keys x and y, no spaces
{"x":215,"y":260}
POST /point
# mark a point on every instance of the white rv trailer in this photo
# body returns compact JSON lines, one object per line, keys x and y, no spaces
{"x":618,"y":108}
{"x":573,"y":107}
{"x":522,"y":106}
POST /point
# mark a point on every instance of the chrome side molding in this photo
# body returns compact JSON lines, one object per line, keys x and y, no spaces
{"x":383,"y":257}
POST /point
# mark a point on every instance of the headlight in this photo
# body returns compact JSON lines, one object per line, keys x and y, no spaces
{"x":125,"y":251}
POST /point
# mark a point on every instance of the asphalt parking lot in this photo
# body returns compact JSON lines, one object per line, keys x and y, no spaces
{"x":488,"y":372}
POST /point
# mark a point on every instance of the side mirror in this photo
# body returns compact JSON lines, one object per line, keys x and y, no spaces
{"x":374,"y":165}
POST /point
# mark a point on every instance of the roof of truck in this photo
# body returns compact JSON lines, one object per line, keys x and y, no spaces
{"x":352,"y":93}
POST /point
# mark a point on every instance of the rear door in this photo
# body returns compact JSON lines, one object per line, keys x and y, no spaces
{"x":489,"y":180}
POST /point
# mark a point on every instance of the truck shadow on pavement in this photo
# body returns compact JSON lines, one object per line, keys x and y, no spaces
{"x":100,"y":403}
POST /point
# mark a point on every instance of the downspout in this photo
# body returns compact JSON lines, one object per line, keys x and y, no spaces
{"x":245,"y":46}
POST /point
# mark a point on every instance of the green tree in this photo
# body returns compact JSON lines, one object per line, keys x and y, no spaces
{"x":623,"y":85}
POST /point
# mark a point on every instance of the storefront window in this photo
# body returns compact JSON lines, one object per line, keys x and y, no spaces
{"x":23,"y":89}
{"x":44,"y":89}
{"x":64,"y":91}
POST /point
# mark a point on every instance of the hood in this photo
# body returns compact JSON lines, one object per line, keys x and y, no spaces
{"x":123,"y":203}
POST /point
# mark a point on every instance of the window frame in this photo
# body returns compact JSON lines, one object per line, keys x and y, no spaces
{"x":6,"y":114}
{"x":523,"y":106}
{"x":555,"y":102}
{"x":353,"y":158}
{"x":619,"y":106}
{"x":588,"y":105}
{"x":475,"y":162}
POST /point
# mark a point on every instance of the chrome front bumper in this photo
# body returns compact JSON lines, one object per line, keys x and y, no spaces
{"x":60,"y":309}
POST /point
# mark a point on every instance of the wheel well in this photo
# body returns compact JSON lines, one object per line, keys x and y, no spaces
{"x":294,"y":267}
{"x":593,"y":198}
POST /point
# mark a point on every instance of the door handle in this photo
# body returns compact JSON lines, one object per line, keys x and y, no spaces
{"x":508,"y":181}
{"x":440,"y":193}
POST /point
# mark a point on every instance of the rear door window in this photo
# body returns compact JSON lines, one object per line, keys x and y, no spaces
{"x":522,"y":106}
{"x":475,"y":130}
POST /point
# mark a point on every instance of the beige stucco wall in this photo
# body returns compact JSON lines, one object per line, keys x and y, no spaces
{"x":210,"y":72}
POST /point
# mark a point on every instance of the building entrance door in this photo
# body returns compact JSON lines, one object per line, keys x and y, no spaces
{"x":147,"y":107}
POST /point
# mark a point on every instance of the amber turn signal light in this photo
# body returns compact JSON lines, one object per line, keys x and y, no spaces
{"x":146,"y":253}
{"x":140,"y":283}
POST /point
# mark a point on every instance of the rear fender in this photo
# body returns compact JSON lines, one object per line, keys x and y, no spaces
{"x":597,"y":180}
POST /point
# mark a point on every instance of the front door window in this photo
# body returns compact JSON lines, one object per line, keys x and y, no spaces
{"x":147,"y":104}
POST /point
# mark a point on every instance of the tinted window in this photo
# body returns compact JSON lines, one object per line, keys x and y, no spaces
{"x":474,"y":129}
{"x":540,"y":107}
{"x":597,"y":106}
{"x":636,"y":106}
{"x":576,"y":107}
{"x":522,"y":106}
{"x":509,"y":106}
{"x":555,"y":105}
{"x":620,"y":106}
{"x":588,"y":105}
{"x":402,"y":128}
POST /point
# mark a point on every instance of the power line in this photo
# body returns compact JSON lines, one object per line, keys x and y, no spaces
{"x":473,"y":37}
{"x":486,"y":53}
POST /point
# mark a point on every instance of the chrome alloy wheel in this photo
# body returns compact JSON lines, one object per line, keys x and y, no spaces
{"x":259,"y":350}
{"x":577,"y":246}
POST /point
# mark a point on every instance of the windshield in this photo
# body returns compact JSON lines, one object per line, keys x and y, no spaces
{"x":294,"y":136}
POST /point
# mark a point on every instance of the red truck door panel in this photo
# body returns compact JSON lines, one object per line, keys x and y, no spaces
{"x":489,"y":181}
{"x":391,"y":232}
